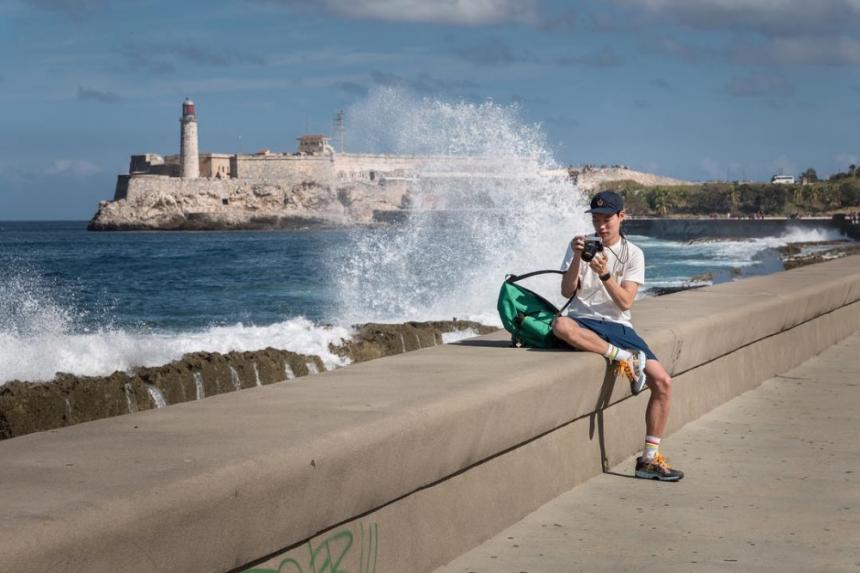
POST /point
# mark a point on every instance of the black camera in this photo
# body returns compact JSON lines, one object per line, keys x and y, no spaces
{"x":593,"y":245}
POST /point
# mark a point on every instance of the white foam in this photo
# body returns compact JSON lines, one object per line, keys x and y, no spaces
{"x":458,"y":335}
{"x":198,"y":385}
{"x":740,"y":253}
{"x":234,"y":379}
{"x":157,"y":396}
{"x":37,"y":357}
{"x":518,"y":219}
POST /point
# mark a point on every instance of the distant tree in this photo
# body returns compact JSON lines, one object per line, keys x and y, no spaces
{"x":849,"y":192}
{"x":810,"y":176}
{"x":852,"y":170}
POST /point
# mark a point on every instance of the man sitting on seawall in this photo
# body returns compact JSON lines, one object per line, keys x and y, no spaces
{"x":598,"y":320}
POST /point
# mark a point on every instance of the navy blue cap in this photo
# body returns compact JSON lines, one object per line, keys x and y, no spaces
{"x":607,"y":202}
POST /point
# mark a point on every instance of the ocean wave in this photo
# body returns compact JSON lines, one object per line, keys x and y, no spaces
{"x":40,"y":357}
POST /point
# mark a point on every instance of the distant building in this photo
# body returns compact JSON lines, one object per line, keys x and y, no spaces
{"x":314,"y":145}
{"x":783,"y":180}
{"x":189,"y":158}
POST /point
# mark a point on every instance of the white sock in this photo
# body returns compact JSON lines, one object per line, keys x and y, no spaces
{"x":652,"y":446}
{"x":614,"y":353}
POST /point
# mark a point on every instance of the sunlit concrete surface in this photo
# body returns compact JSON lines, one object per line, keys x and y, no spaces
{"x":772,"y":484}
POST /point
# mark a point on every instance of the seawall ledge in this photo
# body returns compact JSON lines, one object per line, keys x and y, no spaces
{"x":224,"y":482}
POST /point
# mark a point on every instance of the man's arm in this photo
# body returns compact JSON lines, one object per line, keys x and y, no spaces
{"x":623,"y":294}
{"x":570,"y":280}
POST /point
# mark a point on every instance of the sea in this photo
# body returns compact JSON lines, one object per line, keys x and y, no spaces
{"x":91,"y":303}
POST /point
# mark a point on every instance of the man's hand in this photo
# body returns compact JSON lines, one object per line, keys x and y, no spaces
{"x":599,"y":264}
{"x":578,"y":245}
{"x":570,"y":280}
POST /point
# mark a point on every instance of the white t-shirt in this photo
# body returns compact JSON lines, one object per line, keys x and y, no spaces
{"x":626,"y":262}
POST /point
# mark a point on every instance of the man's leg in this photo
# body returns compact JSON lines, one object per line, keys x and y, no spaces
{"x":652,"y":465}
{"x":580,"y":338}
{"x":657,"y":412}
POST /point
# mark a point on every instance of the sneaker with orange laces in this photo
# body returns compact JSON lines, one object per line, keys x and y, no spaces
{"x":634,"y":369}
{"x":658,"y":469}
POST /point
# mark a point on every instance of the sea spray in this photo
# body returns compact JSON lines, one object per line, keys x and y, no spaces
{"x":288,"y":372}
{"x":156,"y":396}
{"x":38,"y":357}
{"x":200,"y":391}
{"x":488,"y":200}
{"x":234,"y":379}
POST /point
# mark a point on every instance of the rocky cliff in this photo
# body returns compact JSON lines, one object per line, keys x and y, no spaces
{"x":153,"y":202}
{"x":158,"y":202}
{"x":590,"y":178}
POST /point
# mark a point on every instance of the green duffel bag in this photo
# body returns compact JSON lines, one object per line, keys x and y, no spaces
{"x":527,"y":315}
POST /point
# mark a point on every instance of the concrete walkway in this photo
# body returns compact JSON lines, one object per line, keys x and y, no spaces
{"x":772,"y":484}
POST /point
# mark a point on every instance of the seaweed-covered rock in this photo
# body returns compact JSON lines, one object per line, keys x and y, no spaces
{"x":27,"y":407}
{"x":373,"y":340}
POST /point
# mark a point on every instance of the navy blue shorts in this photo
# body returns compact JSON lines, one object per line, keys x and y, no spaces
{"x":617,"y":334}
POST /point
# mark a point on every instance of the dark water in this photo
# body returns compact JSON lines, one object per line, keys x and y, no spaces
{"x":170,"y":280}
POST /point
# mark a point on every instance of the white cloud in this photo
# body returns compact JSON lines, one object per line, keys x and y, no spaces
{"x":765,"y":16}
{"x":458,"y":12}
{"x":77,"y":167}
{"x":802,"y":50}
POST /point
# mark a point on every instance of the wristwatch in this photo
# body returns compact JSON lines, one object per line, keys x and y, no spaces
{"x":605,"y":277}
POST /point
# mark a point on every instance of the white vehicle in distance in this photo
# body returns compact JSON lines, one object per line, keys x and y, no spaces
{"x":783,"y":180}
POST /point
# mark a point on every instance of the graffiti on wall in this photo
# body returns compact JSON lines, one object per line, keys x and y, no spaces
{"x":352,"y":549}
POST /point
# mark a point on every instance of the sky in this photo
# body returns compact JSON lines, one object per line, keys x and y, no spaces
{"x":693,"y":89}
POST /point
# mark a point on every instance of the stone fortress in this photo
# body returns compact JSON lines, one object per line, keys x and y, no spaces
{"x":313,"y":186}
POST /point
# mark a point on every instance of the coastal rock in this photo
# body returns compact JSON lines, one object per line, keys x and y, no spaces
{"x":591,"y":178}
{"x":346,"y":190}
{"x":152,"y":202}
{"x":377,"y":340}
{"x":801,"y":254}
{"x":27,"y":407}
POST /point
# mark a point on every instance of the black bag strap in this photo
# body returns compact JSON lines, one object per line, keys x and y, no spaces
{"x":515,"y":278}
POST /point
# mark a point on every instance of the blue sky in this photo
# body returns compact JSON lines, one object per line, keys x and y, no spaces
{"x":695,"y":89}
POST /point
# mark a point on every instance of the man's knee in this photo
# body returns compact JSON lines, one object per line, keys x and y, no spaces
{"x":661,"y":384}
{"x":562,"y":325}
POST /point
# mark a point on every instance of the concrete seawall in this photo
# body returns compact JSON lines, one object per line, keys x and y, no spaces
{"x":395,"y":465}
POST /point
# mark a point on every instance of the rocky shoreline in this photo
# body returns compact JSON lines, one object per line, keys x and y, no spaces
{"x":27,"y":407}
{"x":795,"y":255}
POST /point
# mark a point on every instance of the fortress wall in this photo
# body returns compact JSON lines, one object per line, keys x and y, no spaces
{"x":121,"y":189}
{"x":398,"y":464}
{"x":288,"y":168}
{"x":141,"y":186}
{"x":213,"y":164}
{"x":356,"y":163}
{"x":428,"y":163}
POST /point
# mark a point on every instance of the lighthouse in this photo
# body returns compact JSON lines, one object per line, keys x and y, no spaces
{"x":190,"y":161}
